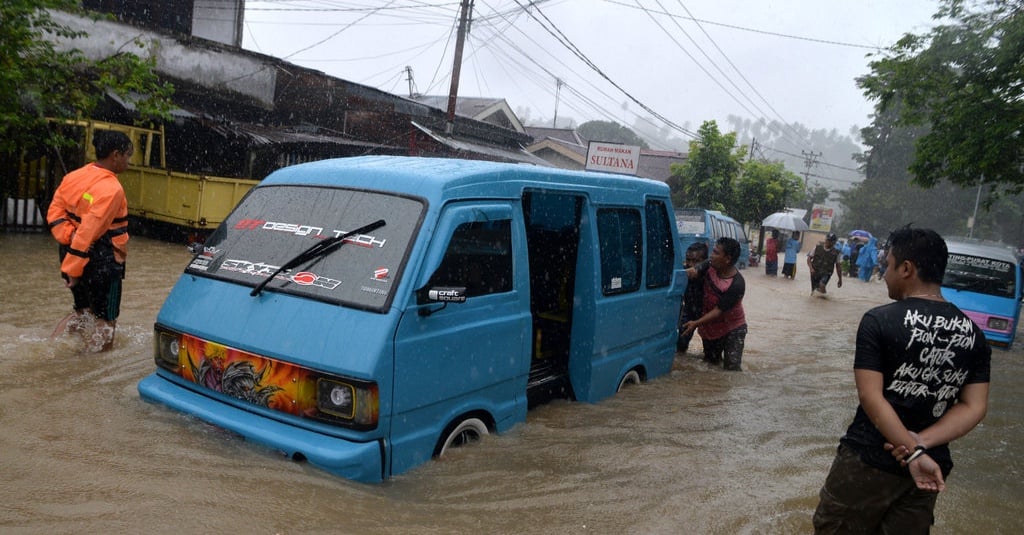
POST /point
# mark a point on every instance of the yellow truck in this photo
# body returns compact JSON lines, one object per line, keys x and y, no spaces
{"x":192,"y":205}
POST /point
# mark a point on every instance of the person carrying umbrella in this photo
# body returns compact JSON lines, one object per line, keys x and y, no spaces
{"x":789,"y":261}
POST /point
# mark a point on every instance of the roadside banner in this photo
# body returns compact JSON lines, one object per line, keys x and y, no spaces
{"x":821,"y":218}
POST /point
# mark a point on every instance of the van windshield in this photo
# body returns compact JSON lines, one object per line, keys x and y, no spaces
{"x":273,"y":224}
{"x":978,"y":274}
{"x":689,"y":222}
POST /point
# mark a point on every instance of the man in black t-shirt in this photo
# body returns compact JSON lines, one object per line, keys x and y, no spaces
{"x":922,"y":373}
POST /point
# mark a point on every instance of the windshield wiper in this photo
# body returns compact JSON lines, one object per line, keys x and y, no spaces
{"x":317,"y":250}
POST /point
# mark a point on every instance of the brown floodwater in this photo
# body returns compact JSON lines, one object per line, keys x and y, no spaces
{"x":698,"y":451}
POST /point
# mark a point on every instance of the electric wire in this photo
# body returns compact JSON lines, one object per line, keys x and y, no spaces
{"x":431,"y":11}
{"x":561,"y":38}
{"x":543,"y":83}
{"x":764,"y":32}
{"x":335,"y":34}
{"x":740,"y":72}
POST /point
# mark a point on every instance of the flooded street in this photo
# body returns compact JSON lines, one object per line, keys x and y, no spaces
{"x":699,"y":451}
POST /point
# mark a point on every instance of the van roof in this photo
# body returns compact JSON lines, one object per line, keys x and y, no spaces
{"x":438,"y":179}
{"x":982,"y":250}
{"x":701,"y":211}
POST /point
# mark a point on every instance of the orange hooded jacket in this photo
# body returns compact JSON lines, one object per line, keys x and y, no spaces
{"x":88,"y":205}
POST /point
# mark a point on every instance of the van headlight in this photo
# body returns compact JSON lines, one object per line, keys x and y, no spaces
{"x":998,"y":324}
{"x":336,"y":399}
{"x":354,"y":403}
{"x":167,"y":349}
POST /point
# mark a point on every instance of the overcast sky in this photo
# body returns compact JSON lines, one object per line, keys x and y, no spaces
{"x":686,"y":62}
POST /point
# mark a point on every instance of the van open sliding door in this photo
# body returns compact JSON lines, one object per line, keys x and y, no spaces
{"x":552,"y":236}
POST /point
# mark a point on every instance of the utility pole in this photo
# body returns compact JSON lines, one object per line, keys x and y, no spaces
{"x":412,"y":83}
{"x":810,"y":160}
{"x":558,"y":90}
{"x":460,"y":41}
{"x":974,"y":218}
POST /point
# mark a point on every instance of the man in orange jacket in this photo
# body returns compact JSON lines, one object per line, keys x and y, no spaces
{"x":89,"y":218}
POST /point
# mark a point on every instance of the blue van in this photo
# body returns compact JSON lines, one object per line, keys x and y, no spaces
{"x":984,"y":280}
{"x":366,"y":314}
{"x":700,"y":225}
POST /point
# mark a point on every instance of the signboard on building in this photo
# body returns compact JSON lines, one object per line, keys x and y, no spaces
{"x":612,"y":158}
{"x":821,"y":218}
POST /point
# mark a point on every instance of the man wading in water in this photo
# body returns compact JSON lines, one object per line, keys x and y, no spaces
{"x":820,"y":263}
{"x":723,"y":327}
{"x":89,"y":219}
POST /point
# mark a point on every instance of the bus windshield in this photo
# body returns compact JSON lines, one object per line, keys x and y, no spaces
{"x":982,"y":275}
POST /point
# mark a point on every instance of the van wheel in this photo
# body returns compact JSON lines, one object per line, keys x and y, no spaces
{"x":468,"y":430}
{"x":632,"y":377}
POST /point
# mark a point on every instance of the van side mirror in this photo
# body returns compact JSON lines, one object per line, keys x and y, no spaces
{"x":440,"y":294}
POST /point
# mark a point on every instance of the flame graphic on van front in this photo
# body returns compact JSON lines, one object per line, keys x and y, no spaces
{"x":258,"y":380}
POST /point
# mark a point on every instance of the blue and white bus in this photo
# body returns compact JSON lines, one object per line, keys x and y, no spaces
{"x":985,"y":282}
{"x":700,"y":225}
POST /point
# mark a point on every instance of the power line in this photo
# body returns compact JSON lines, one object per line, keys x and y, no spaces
{"x":740,"y":73}
{"x":764,"y":32}
{"x":543,"y":82}
{"x":697,"y":63}
{"x":432,"y":13}
{"x":328,"y":9}
{"x":650,"y":14}
{"x":561,"y":38}
{"x":821,"y":163}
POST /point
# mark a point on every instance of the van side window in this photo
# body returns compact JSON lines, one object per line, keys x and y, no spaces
{"x":660,"y":245}
{"x":479,"y":257}
{"x":619,"y":232}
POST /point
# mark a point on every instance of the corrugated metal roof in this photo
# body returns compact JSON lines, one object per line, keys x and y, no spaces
{"x":265,"y":135}
{"x":504,"y":154}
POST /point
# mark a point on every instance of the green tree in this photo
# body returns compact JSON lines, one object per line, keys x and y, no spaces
{"x":708,"y":178}
{"x":964,"y":83}
{"x":889,"y":198}
{"x":609,"y":132}
{"x":39,"y":80}
{"x":885,"y":198}
{"x":763,"y":189}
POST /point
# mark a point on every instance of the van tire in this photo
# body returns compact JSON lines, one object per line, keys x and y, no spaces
{"x":632,"y":377}
{"x":468,"y":430}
